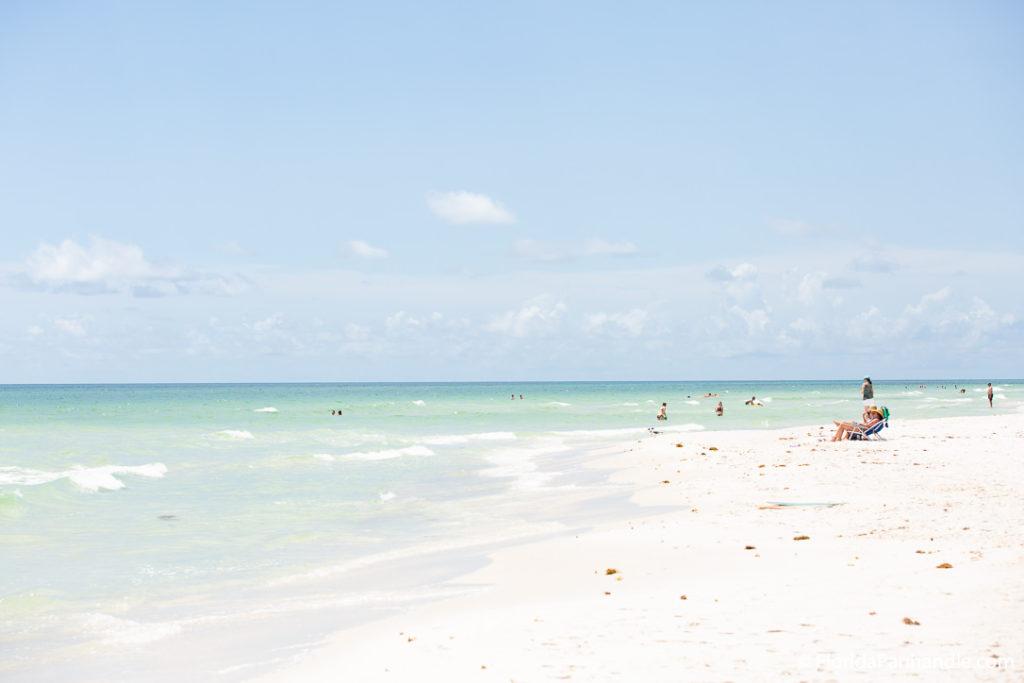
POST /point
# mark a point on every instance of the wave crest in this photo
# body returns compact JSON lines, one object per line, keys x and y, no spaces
{"x":416,"y":451}
{"x":87,"y":478}
{"x":235,"y":434}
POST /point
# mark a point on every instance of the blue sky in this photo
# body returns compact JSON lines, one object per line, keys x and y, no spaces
{"x":320,"y":191}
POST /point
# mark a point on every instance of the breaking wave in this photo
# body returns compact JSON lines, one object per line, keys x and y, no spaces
{"x":86,"y":478}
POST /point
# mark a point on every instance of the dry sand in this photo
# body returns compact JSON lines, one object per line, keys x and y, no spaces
{"x":918,"y":575}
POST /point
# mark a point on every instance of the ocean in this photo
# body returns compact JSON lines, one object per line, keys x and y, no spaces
{"x":209,"y":532}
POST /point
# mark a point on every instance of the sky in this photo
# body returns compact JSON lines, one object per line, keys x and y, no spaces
{"x":459,"y":191}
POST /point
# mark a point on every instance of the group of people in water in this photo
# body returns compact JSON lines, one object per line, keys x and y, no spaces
{"x":870,"y":419}
{"x":719,"y":409}
{"x":872,"y":414}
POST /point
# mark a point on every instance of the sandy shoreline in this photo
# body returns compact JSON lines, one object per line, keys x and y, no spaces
{"x":721,"y":586}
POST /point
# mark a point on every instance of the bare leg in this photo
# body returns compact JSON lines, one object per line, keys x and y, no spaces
{"x":843,"y":427}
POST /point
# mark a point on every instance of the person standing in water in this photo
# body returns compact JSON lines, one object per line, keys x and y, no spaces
{"x":662,"y":414}
{"x":990,"y":394}
{"x":719,"y":410}
{"x":867,"y":392}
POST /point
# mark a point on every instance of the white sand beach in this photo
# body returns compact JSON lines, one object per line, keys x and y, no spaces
{"x":917,"y":574}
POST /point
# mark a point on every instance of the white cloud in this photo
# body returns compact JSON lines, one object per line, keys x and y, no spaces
{"x":938,"y":316}
{"x":810,"y":286}
{"x":868,"y":325}
{"x":75,"y":326}
{"x":805,"y":326}
{"x":539,"y":315}
{"x":402,"y":321}
{"x":927,"y":301}
{"x":107,"y":266}
{"x":756,"y":320}
{"x":360,"y":249}
{"x":357,"y":332}
{"x":103,"y":261}
{"x":268,"y":324}
{"x":462,"y":208}
{"x":631,"y":323}
{"x":200,"y":343}
{"x":744,"y":272}
{"x":981,"y":321}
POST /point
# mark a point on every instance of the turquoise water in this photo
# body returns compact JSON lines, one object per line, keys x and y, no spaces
{"x":142,"y":522}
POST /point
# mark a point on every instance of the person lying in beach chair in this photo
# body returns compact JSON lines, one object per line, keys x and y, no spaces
{"x":874,"y":421}
{"x":871,"y":433}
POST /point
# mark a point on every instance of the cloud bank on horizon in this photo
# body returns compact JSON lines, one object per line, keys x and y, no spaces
{"x":741,"y":320}
{"x":652,"y":208}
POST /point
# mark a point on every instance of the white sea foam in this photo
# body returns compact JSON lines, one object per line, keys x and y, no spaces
{"x":492,"y":436}
{"x":630,"y":404}
{"x":419,"y":402}
{"x":557,"y":404}
{"x":117,"y":631}
{"x":386,"y":496}
{"x":268,"y":409}
{"x":520,"y":464}
{"x":691,"y":402}
{"x":96,"y":479}
{"x":235,"y":434}
{"x":445,"y":439}
{"x":88,"y":478}
{"x":450,"y":439}
{"x":958,"y":399}
{"x":419,"y":451}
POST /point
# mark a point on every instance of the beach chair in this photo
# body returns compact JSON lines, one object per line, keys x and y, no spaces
{"x":859,"y":433}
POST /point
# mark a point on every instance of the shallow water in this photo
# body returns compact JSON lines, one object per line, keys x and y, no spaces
{"x":143,"y":521}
